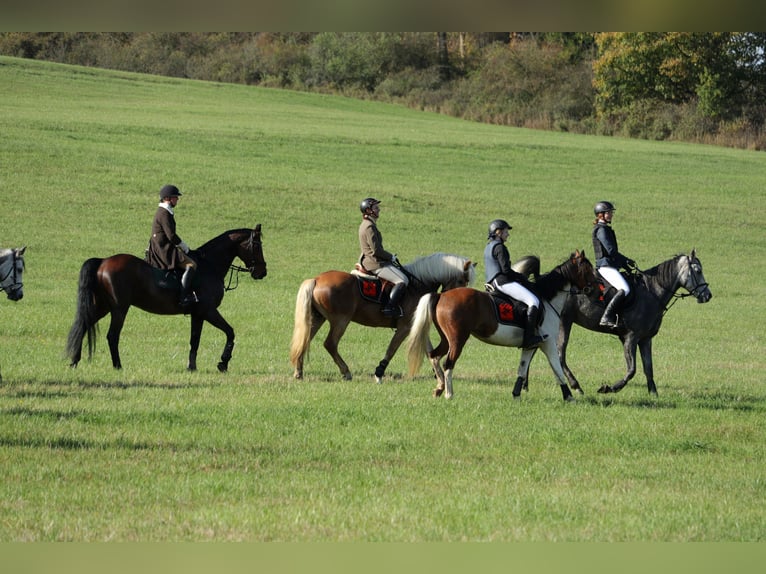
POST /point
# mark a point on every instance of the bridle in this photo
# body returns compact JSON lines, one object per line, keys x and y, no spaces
{"x":695,"y":291}
{"x":235,"y":270}
{"x":15,"y":283}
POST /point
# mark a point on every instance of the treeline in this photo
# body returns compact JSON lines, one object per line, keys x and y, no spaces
{"x":698,"y":87}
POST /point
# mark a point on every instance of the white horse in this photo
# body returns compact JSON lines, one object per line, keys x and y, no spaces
{"x":11,"y":271}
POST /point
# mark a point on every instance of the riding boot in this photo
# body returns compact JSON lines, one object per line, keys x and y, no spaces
{"x":188,"y":297}
{"x":609,"y":318}
{"x":530,"y":339}
{"x":392,"y":309}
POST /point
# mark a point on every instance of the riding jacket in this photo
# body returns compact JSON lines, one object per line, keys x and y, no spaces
{"x":373,"y":255}
{"x":164,"y":245}
{"x":605,"y":247}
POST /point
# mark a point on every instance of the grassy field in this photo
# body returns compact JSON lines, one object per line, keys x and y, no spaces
{"x":154,"y":453}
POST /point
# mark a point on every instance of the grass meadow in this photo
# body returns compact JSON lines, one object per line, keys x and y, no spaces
{"x":153,"y":453}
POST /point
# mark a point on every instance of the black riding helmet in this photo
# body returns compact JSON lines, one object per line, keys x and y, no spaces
{"x":368,"y":204}
{"x":169,"y":191}
{"x":497,"y":225}
{"x":603,"y":207}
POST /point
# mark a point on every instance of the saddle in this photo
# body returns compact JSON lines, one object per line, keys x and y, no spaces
{"x":371,"y":287}
{"x":167,"y":278}
{"x":509,"y":311}
{"x":606,"y":291}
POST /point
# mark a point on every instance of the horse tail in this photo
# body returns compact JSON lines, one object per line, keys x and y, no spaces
{"x":86,"y":318}
{"x":419,"y":331}
{"x":299,"y":347}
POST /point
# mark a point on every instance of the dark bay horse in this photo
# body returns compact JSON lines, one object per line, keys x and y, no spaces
{"x":113,"y":284}
{"x":642,"y":315}
{"x":335,"y":297}
{"x":11,"y":272}
{"x":460,"y":313}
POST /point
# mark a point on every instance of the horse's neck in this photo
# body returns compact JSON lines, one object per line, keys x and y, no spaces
{"x":559,"y":299}
{"x":665,"y":281}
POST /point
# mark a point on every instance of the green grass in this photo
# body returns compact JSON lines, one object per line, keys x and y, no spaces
{"x":155,"y":453}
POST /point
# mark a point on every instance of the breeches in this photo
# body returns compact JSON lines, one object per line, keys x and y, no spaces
{"x":392,"y":274}
{"x":614,"y":278}
{"x":519,"y":292}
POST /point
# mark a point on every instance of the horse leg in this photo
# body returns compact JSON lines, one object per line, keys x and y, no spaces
{"x":396,"y":341}
{"x":645,"y":346}
{"x":196,"y":333}
{"x":455,"y":350}
{"x":565,"y":328}
{"x":523,"y":372}
{"x":553,"y":360}
{"x":629,"y":344}
{"x":216,"y":320}
{"x":113,"y":335}
{"x":435,"y":355}
{"x":331,"y":345}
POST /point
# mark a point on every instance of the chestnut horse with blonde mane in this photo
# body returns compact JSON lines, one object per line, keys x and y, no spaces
{"x":336,"y":297}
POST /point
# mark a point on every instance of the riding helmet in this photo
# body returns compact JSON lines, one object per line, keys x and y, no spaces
{"x":603,"y":207}
{"x":497,"y":225}
{"x":169,"y":191}
{"x":368,"y":203}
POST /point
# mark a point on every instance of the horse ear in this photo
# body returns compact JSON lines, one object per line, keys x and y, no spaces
{"x":694,"y":253}
{"x":258,"y":228}
{"x":21,"y":251}
{"x":468,"y":264}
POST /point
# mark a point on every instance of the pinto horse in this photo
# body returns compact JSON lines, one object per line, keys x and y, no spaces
{"x":460,"y":313}
{"x":11,"y":272}
{"x":641,"y":317}
{"x":336,"y":297}
{"x":113,"y":284}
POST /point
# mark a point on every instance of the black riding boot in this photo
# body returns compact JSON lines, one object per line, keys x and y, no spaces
{"x":392,"y":309}
{"x":188,"y":297}
{"x":530,"y":339}
{"x":609,"y":318}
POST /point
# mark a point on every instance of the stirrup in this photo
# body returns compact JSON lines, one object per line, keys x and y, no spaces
{"x":393,"y":312}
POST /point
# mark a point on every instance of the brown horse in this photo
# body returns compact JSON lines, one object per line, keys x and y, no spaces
{"x":113,"y":284}
{"x":336,"y":297}
{"x":461,"y":313}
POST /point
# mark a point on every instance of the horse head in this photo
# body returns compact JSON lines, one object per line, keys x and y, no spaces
{"x":585,"y":275}
{"x":11,"y":274}
{"x":692,"y":279}
{"x":251,"y":253}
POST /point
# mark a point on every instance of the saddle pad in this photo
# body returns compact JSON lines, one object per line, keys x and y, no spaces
{"x":509,"y":312}
{"x":370,"y":289}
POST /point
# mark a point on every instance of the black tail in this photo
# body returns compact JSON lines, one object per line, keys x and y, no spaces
{"x":85,"y":319}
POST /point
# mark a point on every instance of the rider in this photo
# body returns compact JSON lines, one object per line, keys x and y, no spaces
{"x":609,"y":260}
{"x":497,"y":266}
{"x":377,"y":260}
{"x":166,"y":249}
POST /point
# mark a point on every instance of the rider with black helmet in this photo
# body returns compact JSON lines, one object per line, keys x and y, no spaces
{"x":498,"y":272}
{"x":376,"y":260}
{"x":609,"y":260}
{"x":166,"y":249}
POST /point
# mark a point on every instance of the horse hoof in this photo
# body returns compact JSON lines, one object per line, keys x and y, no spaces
{"x":379,"y":380}
{"x":223,"y":367}
{"x":347,"y":376}
{"x":517,"y":397}
{"x":297,"y":375}
{"x":605,"y":389}
{"x":570,"y":399}
{"x":438,"y":392}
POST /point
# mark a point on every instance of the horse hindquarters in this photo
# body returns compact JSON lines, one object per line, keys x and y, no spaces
{"x":87,"y":313}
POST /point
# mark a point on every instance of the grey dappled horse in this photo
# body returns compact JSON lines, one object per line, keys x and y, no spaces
{"x":11,"y":271}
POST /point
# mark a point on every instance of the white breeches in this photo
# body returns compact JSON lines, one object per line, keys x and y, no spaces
{"x":614,"y":278}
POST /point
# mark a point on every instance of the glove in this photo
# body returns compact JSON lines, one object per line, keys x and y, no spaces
{"x":394,"y":260}
{"x":184,"y":247}
{"x":630,"y":263}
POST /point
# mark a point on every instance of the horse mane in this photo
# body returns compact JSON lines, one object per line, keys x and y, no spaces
{"x":549,"y":283}
{"x":223,"y":238}
{"x":432,"y":268}
{"x":664,"y":273}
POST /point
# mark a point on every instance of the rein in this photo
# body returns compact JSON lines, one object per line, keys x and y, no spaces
{"x":238,"y":268}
